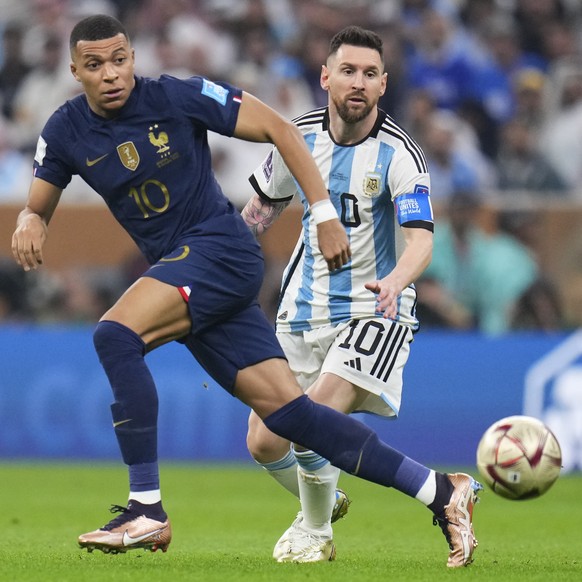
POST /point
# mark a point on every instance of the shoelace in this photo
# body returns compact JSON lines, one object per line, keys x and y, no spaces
{"x":443,"y":523}
{"x":305,"y":540}
{"x":120,"y":519}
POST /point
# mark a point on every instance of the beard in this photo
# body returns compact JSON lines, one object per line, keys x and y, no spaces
{"x":350,"y":115}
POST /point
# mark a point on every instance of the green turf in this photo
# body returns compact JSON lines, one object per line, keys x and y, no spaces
{"x":226,"y":520}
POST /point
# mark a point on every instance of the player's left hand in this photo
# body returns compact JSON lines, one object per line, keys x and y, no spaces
{"x":386,"y":296}
{"x":28,"y":241}
{"x":333,"y":243}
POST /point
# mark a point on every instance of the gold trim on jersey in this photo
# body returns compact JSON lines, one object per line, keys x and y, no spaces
{"x":185,"y":252}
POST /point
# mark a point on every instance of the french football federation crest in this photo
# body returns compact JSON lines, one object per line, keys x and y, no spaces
{"x":372,"y":183}
{"x":128,"y":155}
{"x":160,"y":141}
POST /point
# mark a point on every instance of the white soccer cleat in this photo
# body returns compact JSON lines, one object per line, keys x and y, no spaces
{"x":302,"y":546}
{"x":282,"y":545}
{"x":340,"y":509}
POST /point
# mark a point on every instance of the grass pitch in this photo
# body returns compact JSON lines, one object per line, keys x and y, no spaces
{"x":226,"y":520}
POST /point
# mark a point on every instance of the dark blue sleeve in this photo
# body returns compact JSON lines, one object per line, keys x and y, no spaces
{"x":51,"y":161}
{"x":213,"y":105}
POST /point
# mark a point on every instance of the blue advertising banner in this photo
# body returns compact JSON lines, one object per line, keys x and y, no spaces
{"x":54,"y":397}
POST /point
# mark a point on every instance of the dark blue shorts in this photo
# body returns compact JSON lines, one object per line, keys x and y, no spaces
{"x":220,"y":276}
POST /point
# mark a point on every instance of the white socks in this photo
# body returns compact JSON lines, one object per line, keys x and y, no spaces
{"x":284,"y":471}
{"x":427,"y":492}
{"x":317,"y":483}
{"x":146,"y":497}
{"x":311,"y":475}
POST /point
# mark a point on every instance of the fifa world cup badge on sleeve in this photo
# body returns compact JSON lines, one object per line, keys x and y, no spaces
{"x":214,"y":91}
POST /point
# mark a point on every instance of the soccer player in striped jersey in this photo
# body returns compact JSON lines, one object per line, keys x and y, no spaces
{"x":347,"y":332}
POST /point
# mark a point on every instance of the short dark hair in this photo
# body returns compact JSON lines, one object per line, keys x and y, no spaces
{"x":357,"y":36}
{"x":97,"y":27}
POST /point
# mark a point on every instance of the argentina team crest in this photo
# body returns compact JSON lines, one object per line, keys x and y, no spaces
{"x":128,"y":155}
{"x":372,"y":184}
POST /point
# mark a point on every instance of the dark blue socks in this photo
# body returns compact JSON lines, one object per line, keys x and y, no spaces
{"x":346,"y":443}
{"x":135,"y":410}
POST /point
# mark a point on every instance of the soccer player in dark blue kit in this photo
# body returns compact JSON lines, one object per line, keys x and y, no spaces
{"x":141,"y":144}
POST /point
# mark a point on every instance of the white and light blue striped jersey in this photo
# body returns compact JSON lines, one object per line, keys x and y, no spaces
{"x":374,"y":185}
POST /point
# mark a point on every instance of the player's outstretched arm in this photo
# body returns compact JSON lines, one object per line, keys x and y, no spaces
{"x":258,"y":122}
{"x":413,"y":261}
{"x":32,"y":224}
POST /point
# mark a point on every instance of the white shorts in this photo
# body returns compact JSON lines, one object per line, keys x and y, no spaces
{"x":369,"y":353}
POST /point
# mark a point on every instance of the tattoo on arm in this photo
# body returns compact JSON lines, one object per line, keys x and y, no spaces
{"x":259,"y":214}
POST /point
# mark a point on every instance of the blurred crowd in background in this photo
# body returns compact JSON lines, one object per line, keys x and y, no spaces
{"x":491,"y":89}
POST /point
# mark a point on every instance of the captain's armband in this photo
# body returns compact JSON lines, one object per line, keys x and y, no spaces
{"x":414,"y":207}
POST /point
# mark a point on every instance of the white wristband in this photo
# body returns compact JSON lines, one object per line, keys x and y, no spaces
{"x":323,"y":211}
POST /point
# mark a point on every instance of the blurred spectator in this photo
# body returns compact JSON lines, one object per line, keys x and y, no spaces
{"x":501,"y":36}
{"x":560,"y":40}
{"x":14,"y":68}
{"x":15,"y":11}
{"x":418,"y":111}
{"x":48,"y":19}
{"x":539,"y":308}
{"x":508,"y":61}
{"x":13,"y":306}
{"x":15,"y":170}
{"x":455,"y":68}
{"x":314,"y":49}
{"x":561,"y":135}
{"x":532,"y":16}
{"x":203,"y":49}
{"x":521,"y":167}
{"x":76,"y":295}
{"x":438,"y":308}
{"x":454,"y":160}
{"x":529,"y":91}
{"x":395,"y":99}
{"x":485,"y":273}
{"x":42,"y":91}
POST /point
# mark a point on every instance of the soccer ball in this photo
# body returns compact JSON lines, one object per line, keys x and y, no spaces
{"x":519,"y":457}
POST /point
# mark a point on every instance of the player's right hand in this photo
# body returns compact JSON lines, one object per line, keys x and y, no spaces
{"x":28,"y":240}
{"x":333,"y":244}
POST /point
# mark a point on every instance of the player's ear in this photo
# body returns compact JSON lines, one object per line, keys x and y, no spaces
{"x":73,"y":68}
{"x":384,"y":83}
{"x":324,"y":78}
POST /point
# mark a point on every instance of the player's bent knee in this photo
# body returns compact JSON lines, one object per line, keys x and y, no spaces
{"x":113,"y":340}
{"x":263,"y":445}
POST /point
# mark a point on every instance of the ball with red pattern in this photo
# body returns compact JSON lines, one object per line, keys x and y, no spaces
{"x":519,"y":457}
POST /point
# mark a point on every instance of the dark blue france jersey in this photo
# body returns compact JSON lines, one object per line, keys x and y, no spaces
{"x":151,"y":164}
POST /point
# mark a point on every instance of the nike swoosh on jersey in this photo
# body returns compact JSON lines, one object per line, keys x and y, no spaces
{"x":95,"y":161}
{"x":129,"y":541}
{"x":122,"y":422}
